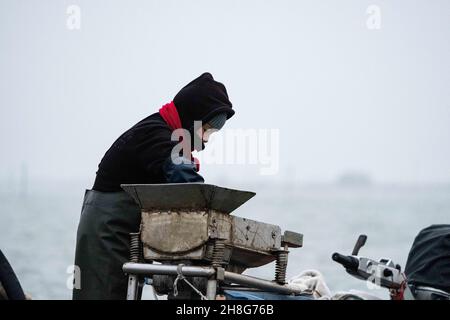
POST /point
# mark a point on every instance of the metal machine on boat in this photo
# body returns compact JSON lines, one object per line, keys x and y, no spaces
{"x":190,"y":246}
{"x":426,"y":276}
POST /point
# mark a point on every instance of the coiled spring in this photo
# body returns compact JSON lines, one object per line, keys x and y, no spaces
{"x":281,"y":266}
{"x":218,"y":253}
{"x":135,"y":247}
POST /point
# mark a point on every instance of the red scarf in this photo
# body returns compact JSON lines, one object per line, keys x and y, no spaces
{"x":170,"y":115}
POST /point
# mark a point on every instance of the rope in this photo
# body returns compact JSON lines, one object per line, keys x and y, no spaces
{"x":180,"y":276}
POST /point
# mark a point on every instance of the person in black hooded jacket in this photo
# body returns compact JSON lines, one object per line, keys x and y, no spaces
{"x":146,"y":154}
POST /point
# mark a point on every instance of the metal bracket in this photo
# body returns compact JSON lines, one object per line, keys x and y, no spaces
{"x":220,"y":274}
{"x":292,"y":239}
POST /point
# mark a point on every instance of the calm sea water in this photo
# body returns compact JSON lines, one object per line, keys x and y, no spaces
{"x":37,"y":230}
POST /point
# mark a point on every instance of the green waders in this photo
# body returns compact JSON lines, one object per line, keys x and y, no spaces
{"x":103,"y":244}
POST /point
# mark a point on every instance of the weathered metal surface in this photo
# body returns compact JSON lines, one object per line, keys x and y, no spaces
{"x":187,"y":196}
{"x":151,"y":254}
{"x":292,"y":239}
{"x":255,"y":235}
{"x":253,"y":242}
{"x":182,"y":234}
{"x":174,"y":231}
{"x":219,"y":225}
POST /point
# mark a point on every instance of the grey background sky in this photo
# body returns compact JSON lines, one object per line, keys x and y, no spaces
{"x":344,"y":97}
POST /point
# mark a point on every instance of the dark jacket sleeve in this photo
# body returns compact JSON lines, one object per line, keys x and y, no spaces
{"x":154,"y":154}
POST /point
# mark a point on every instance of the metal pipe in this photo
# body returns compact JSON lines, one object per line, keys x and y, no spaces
{"x":132,"y":287}
{"x":258,"y":283}
{"x":193,"y":271}
{"x":211,"y":289}
{"x":150,"y":269}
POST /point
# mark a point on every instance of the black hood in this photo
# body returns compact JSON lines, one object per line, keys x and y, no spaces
{"x":202,"y":99}
{"x":429,"y":259}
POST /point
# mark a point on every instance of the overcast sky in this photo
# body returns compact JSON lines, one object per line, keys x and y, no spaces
{"x":344,"y":97}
